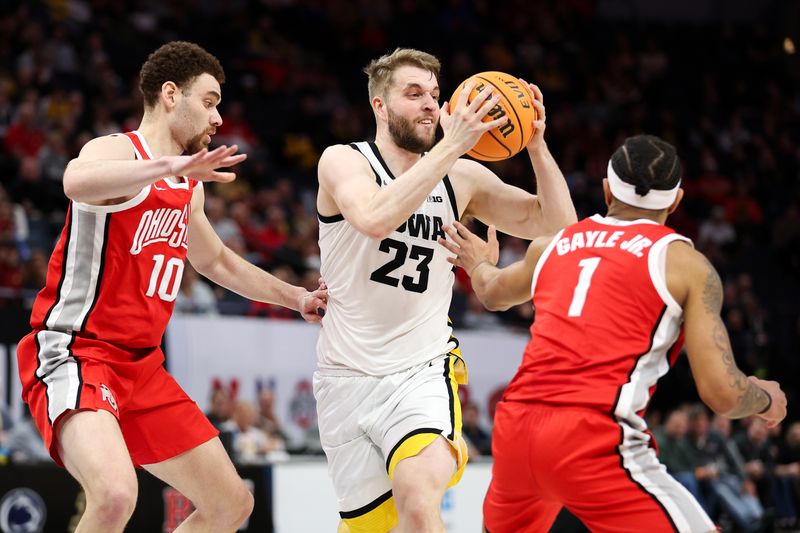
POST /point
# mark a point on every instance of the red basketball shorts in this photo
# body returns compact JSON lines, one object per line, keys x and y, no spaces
{"x":61,"y":373}
{"x":602,"y":470}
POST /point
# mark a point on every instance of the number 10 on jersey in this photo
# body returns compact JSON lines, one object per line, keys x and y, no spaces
{"x":170,"y":278}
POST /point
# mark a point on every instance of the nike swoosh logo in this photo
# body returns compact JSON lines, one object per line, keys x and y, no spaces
{"x":159,"y":188}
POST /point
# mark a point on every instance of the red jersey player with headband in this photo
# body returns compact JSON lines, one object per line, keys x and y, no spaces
{"x":615,"y":298}
{"x":92,"y":370}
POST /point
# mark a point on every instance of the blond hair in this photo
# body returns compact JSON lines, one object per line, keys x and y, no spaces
{"x":380,"y":70}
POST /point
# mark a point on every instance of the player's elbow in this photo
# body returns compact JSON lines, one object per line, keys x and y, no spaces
{"x":493,"y":302}
{"x":77,"y":186}
{"x":496,"y":307}
{"x":73,"y":188}
{"x":374,"y":227}
{"x":378,"y":233}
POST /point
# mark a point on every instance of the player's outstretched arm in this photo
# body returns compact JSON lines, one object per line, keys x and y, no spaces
{"x":695,"y":284}
{"x":107,"y":169}
{"x":211,"y":258}
{"x":496,"y":288}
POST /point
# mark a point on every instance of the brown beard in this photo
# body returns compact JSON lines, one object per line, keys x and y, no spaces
{"x":196,"y":143}
{"x":404,"y":135}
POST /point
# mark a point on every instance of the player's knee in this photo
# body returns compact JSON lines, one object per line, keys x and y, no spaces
{"x":417,"y":504}
{"x":248,"y":503}
{"x":417,"y":515}
{"x":114,"y":505}
{"x":231,"y":508}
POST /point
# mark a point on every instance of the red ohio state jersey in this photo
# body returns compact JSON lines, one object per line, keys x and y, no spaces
{"x":606,"y":327}
{"x":116,"y":270}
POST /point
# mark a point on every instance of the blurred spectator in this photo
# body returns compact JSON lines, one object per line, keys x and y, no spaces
{"x":759,"y":454}
{"x":675,"y":453}
{"x":724,"y":489}
{"x":24,"y":137}
{"x":479,"y":439}
{"x":477,"y":317}
{"x":221,"y":406}
{"x":195,"y":296}
{"x":53,"y":159}
{"x":512,"y":250}
{"x":24,"y":443}
{"x":716,"y":230}
{"x":787,"y":472}
{"x":224,"y":226}
{"x":267,"y":419}
{"x":250,"y":444}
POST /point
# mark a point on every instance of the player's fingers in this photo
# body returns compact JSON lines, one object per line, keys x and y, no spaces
{"x":527,"y":87}
{"x":222,"y":177}
{"x":215,"y":153}
{"x":217,"y":156}
{"x":463,"y":97}
{"x":492,"y":124}
{"x":540,"y":110}
{"x":445,"y":110}
{"x":535,"y":91}
{"x":450,"y":246}
{"x":453,"y":232}
{"x":488,"y":105}
{"x":491,"y":235}
{"x":462,"y":230}
{"x":319,"y":293}
{"x":196,"y":158}
{"x":485,"y":101}
{"x":231,"y":161}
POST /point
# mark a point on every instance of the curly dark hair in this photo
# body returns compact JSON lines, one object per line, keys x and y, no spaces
{"x":647,"y":162}
{"x":180,"y":62}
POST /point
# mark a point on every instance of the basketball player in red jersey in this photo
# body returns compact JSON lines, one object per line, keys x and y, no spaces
{"x":614,"y":297}
{"x":92,"y":369}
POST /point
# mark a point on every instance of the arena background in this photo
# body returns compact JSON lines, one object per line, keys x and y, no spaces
{"x":719,"y":79}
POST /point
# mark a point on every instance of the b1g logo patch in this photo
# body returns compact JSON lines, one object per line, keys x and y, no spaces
{"x":22,"y":511}
{"x":108,"y":396}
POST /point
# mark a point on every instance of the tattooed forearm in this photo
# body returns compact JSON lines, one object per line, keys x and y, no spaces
{"x":753,"y":400}
{"x":736,"y":378}
{"x":750,"y":398}
{"x":712,"y":291}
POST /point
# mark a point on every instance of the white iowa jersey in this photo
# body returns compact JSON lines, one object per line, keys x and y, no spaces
{"x":388,"y":299}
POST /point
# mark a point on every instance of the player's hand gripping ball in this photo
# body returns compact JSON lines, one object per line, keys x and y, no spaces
{"x":515,"y":103}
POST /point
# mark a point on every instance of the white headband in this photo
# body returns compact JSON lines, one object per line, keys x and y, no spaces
{"x":625,"y":192}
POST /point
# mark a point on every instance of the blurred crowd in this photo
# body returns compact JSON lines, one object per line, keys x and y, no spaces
{"x":746,"y":476}
{"x":727,"y":96}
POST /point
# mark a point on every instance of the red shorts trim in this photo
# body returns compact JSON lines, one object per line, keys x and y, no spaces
{"x":157,"y":418}
{"x":601,"y":469}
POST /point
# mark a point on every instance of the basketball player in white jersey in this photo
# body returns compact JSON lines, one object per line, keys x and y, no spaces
{"x":389,"y":369}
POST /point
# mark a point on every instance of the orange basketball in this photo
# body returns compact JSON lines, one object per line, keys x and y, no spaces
{"x":515,"y":103}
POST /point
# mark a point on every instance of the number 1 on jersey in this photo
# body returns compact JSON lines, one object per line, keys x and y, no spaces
{"x":588,"y":266}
